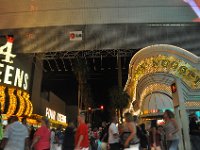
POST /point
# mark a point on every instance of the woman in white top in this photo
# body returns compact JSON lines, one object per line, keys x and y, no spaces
{"x":171,"y":130}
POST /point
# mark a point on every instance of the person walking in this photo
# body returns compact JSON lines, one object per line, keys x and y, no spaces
{"x":144,"y":145}
{"x":16,"y":136}
{"x":81,"y":136}
{"x":52,"y":141}
{"x":41,"y":140}
{"x":104,"y":136}
{"x":68,"y":142}
{"x":154,"y":136}
{"x":131,"y":141}
{"x":113,"y":135}
{"x":59,"y":136}
{"x":171,"y":130}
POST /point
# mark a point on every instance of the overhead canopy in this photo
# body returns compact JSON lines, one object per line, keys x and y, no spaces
{"x":103,"y":37}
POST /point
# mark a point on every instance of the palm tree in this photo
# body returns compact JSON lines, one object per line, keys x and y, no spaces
{"x":119,"y":100}
{"x":81,"y":71}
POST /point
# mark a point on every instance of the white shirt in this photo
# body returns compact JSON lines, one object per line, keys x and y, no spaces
{"x":16,"y":133}
{"x":52,"y":137}
{"x":113,"y":130}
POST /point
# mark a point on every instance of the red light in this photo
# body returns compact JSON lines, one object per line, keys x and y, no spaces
{"x":89,"y":108}
{"x":102,"y":107}
{"x":173,"y":88}
{"x":72,"y":35}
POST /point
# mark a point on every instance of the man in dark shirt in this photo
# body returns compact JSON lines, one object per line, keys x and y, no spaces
{"x":68,"y":143}
{"x":104,"y":136}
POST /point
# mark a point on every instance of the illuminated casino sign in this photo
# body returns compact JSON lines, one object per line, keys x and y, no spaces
{"x":52,"y":114}
{"x":164,"y":64}
{"x":9,"y":74}
{"x":14,"y":98}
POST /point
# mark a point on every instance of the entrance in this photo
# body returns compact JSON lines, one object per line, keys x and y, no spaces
{"x":170,"y":71}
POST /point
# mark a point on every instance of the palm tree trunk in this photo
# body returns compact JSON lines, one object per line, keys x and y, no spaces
{"x":121,"y":115}
{"x":119,"y":71}
{"x":120,"y":82}
{"x":79,"y":93}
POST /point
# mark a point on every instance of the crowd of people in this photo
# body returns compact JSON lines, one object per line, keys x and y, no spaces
{"x":109,"y":136}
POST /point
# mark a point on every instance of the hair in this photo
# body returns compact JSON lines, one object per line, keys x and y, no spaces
{"x":14,"y":118}
{"x":81,"y":118}
{"x":169,"y":113}
{"x":46,"y":121}
{"x":24,"y":119}
{"x":142,"y":126}
{"x":153,"y":123}
{"x":128,"y":117}
{"x":113,"y":118}
{"x":135,"y":118}
{"x":82,"y":115}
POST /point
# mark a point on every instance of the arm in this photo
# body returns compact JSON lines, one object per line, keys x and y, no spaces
{"x":27,"y":143}
{"x":79,"y":142}
{"x":176,"y":126}
{"x":35,"y":140}
{"x":104,"y":136}
{"x":6,"y":137}
{"x":154,"y":136}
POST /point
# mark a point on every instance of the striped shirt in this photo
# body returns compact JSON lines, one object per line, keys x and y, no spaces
{"x":16,"y":133}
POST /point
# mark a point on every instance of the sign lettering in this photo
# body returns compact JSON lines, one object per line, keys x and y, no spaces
{"x":12,"y":76}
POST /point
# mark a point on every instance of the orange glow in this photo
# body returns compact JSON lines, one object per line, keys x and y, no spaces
{"x":17,"y":99}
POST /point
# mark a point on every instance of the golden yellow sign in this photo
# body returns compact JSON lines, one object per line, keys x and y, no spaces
{"x":164,"y":64}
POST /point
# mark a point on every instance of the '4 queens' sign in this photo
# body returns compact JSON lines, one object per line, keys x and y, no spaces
{"x":8,"y":74}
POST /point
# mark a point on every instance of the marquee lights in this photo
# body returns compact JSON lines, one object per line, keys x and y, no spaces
{"x":155,"y":87}
{"x":2,"y":97}
{"x":165,"y":64}
{"x":18,"y":100}
{"x":192,"y":104}
{"x":29,"y":107}
{"x":12,"y":102}
{"x":161,"y":64}
{"x":21,"y":103}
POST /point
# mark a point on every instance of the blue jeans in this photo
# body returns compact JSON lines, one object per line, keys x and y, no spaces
{"x":172,"y":144}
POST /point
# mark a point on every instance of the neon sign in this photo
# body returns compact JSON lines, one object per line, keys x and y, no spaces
{"x":52,"y":114}
{"x":9,"y":74}
{"x":61,"y":118}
